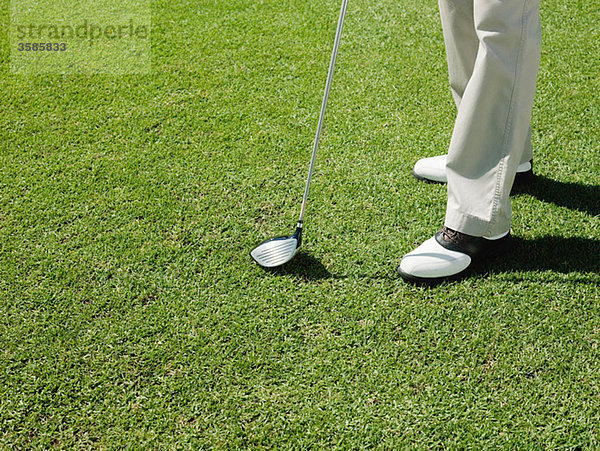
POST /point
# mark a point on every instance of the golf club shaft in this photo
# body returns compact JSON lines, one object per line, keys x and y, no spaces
{"x":336,"y":46}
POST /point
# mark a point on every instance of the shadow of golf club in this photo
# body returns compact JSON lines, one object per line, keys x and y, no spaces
{"x":307,"y":268}
{"x":574,"y":196}
{"x":303,"y":266}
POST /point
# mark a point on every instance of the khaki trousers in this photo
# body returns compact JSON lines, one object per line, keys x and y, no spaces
{"x":493,"y":52}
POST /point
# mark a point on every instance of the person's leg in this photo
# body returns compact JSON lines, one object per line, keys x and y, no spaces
{"x":462,"y":44}
{"x":494,"y":112}
{"x":461,"y":41}
{"x":490,"y":135}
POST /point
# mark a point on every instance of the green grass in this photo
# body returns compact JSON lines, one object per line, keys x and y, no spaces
{"x":132,"y":314}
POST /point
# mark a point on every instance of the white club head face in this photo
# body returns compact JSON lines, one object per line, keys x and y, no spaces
{"x":275,"y":252}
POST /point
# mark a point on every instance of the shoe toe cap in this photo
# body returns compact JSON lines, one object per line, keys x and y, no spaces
{"x":433,"y":261}
{"x":431,"y":168}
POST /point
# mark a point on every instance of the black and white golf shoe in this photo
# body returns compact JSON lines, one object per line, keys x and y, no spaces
{"x":449,"y":255}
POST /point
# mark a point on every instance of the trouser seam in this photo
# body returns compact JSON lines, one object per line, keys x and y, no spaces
{"x":508,"y":125}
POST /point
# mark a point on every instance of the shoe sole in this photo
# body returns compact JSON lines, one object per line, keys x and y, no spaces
{"x":431,"y":282}
{"x":426,"y":180}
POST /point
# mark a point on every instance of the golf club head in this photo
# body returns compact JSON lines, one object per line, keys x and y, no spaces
{"x":277,"y":251}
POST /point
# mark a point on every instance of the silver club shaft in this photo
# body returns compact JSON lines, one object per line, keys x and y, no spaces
{"x":336,"y":45}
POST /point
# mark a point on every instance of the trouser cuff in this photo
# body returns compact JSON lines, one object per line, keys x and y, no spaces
{"x":474,"y":226}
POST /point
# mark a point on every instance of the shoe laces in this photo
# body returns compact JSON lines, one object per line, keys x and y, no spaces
{"x":450,"y":235}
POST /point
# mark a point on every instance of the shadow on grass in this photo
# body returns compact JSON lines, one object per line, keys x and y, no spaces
{"x":303,"y":266}
{"x":575,"y":196}
{"x":554,"y":253}
{"x":550,"y":253}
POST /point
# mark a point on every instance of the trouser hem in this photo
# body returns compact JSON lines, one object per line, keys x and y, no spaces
{"x":471,"y":225}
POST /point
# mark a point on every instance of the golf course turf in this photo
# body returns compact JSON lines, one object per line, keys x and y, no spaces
{"x":131,"y":313}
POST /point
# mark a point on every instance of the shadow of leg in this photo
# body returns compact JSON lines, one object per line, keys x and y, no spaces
{"x":553,"y":253}
{"x":575,"y":196}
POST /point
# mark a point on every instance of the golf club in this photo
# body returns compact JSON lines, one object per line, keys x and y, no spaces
{"x":277,"y":251}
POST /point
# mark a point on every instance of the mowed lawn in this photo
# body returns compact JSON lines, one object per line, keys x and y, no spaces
{"x":131,"y":313}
